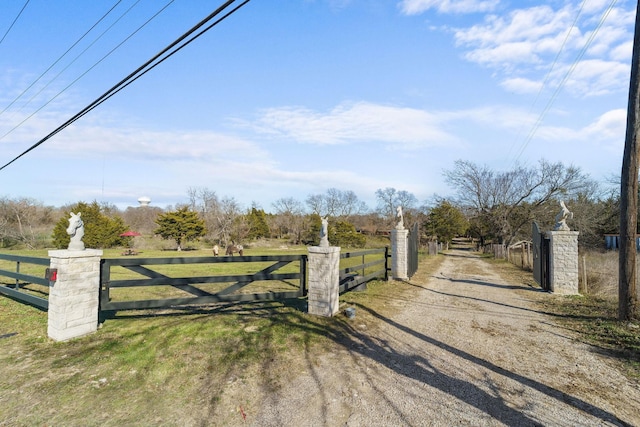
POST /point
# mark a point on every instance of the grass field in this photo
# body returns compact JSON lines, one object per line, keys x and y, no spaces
{"x":179,"y":367}
{"x":165,"y":367}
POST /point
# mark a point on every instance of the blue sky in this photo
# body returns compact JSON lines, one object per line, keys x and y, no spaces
{"x":290,"y":98}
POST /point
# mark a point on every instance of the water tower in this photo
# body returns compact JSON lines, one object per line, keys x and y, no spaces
{"x":144,"y":201}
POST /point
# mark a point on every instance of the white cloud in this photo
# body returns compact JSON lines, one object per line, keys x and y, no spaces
{"x":139,"y":144}
{"x":611,"y":125}
{"x":596,"y":77}
{"x":608,"y":128}
{"x":415,"y":7}
{"x":622,"y":52}
{"x":521,"y":85}
{"x":536,"y":31}
{"x":358,"y":122}
{"x":525,"y":43}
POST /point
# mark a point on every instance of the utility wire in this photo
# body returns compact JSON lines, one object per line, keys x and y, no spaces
{"x":564,"y":80}
{"x":139,"y":72}
{"x":59,"y":59}
{"x":89,"y":69}
{"x":553,"y":64}
{"x":14,"y":21}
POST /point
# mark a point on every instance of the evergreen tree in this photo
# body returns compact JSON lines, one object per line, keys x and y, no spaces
{"x":258,"y":226}
{"x":182,"y":225}
{"x":100,"y":230}
{"x":445,"y":221}
{"x":344,"y":234}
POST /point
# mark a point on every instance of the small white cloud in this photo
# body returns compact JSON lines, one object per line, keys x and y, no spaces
{"x":415,"y":7}
{"x":521,"y":85}
{"x":597,"y":77}
{"x":611,"y":125}
{"x":622,"y":52}
{"x":359,"y":122}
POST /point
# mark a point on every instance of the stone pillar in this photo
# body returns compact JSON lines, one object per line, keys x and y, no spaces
{"x":73,"y":298}
{"x":563,"y":262}
{"x":324,"y":280}
{"x":399,"y":254}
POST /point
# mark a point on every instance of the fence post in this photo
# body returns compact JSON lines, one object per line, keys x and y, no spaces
{"x":386,"y":263}
{"x":585,"y":286}
{"x":324,"y":280}
{"x":73,"y":298}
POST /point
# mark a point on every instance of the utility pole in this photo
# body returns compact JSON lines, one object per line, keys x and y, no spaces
{"x":627,"y":296}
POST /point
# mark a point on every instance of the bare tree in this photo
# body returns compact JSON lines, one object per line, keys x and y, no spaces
{"x":206,"y":203}
{"x":227,"y":214}
{"x":316,"y":204}
{"x":142,"y":218}
{"x":25,"y":221}
{"x":336,"y":203}
{"x":289,"y":214}
{"x":389,"y":199}
{"x":502,"y":204}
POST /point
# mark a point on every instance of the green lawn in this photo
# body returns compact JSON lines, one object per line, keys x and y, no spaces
{"x":166,"y":367}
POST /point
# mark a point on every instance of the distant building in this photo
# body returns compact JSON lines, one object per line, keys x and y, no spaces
{"x":612,"y":242}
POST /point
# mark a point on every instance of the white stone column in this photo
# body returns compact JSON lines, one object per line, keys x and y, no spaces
{"x":563,"y":261}
{"x":399,"y":254}
{"x":324,"y":280}
{"x":73,"y":298}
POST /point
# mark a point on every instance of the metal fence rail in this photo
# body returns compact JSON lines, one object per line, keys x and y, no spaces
{"x":355,"y":275}
{"x":17,"y":289}
{"x":199,"y":286}
{"x":412,"y":250}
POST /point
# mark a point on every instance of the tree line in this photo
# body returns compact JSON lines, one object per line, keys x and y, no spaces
{"x":489,"y":205}
{"x":28,"y":223}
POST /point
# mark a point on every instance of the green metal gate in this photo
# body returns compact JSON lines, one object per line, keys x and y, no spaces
{"x":130,"y":284}
{"x":413,"y":245}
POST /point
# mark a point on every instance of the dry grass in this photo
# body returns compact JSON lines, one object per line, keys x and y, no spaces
{"x":593,"y":316}
{"x":601,"y":270}
{"x":177,"y":367}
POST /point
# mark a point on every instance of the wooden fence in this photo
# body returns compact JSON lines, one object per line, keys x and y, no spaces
{"x":374,"y":265}
{"x":519,"y":254}
{"x":29,"y":288}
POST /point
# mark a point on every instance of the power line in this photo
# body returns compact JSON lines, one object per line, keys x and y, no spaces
{"x":14,"y":21}
{"x":89,"y":69}
{"x":140,"y":71}
{"x":59,"y":59}
{"x":553,"y":64}
{"x":564,"y":80}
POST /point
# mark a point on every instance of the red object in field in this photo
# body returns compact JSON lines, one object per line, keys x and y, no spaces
{"x":130,"y":234}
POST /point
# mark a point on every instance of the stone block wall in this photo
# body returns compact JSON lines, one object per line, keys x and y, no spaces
{"x":74,"y":297}
{"x":563,"y":262}
{"x":324,"y":280}
{"x":399,"y":254}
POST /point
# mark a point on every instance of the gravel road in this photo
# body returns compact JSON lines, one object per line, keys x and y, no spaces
{"x":467,"y":349}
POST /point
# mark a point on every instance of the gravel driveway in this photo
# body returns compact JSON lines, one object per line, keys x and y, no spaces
{"x":466,"y":349}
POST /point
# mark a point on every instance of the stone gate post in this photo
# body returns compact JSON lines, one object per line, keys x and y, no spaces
{"x":73,"y":298}
{"x":563,"y":261}
{"x":399,"y":253}
{"x":324,"y":280}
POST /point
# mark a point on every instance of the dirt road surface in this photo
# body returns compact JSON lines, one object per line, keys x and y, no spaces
{"x":466,"y":348}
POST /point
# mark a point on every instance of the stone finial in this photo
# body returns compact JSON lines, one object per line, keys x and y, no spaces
{"x":76,"y":231}
{"x":561,"y":218}
{"x":400,"y":224}
{"x":324,"y":233}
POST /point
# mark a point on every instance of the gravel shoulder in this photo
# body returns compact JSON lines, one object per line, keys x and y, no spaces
{"x":464,"y":348}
